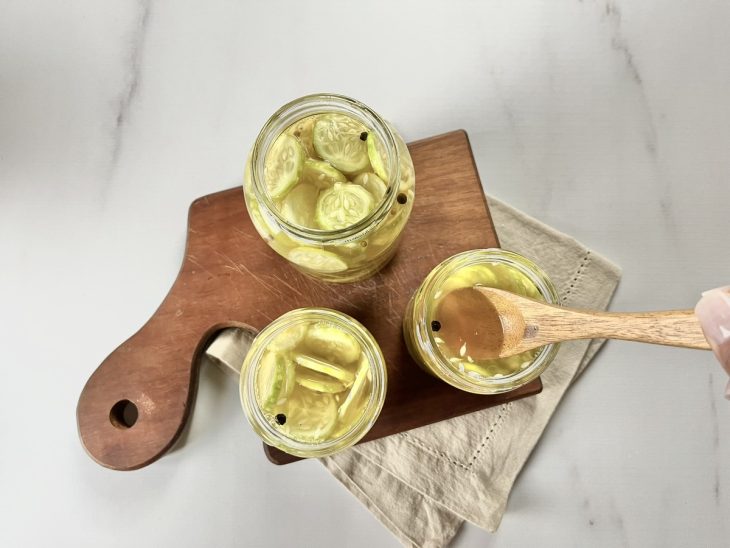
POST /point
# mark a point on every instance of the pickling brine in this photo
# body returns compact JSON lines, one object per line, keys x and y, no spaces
{"x":330,"y":186}
{"x":496,"y":275}
{"x":313,"y":382}
{"x":448,"y":359}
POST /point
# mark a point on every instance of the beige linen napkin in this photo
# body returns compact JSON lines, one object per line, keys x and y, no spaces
{"x":424,"y":483}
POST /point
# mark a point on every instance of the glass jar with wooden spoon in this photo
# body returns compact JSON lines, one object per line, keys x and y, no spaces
{"x":433,"y":328}
{"x":488,"y":321}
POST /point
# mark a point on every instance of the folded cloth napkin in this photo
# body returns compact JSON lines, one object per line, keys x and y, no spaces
{"x":424,"y":483}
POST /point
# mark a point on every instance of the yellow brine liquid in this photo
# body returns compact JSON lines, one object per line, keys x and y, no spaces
{"x":313,"y":382}
{"x":329,"y":172}
{"x":438,"y":331}
{"x":501,"y":276}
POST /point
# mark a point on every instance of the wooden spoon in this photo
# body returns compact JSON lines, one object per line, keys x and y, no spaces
{"x":487,"y":323}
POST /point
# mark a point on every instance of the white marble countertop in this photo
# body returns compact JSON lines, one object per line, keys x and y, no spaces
{"x":608,"y":120}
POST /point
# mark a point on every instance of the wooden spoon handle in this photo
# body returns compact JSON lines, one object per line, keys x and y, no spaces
{"x":672,"y":327}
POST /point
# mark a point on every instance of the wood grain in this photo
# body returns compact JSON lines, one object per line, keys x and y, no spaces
{"x":528,"y":324}
{"x":230,"y":277}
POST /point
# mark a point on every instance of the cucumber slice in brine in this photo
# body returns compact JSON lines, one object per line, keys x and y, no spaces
{"x":517,"y":282}
{"x":303,"y":131}
{"x":354,"y":251}
{"x":390,"y":229}
{"x":317,"y":260}
{"x":352,"y":407}
{"x":337,"y":139}
{"x":267,"y":229}
{"x":470,"y":276}
{"x":342,"y":206}
{"x":407,"y":174}
{"x":320,"y":174}
{"x":274,"y":380}
{"x":377,"y":156}
{"x":288,"y":338}
{"x":373,"y":184}
{"x":326,"y":368}
{"x":310,"y":416}
{"x":333,"y":343}
{"x":283,"y":165}
{"x":299,"y":204}
{"x":318,"y":382}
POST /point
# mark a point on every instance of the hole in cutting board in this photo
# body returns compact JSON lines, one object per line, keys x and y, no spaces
{"x":123,"y":414}
{"x":402,"y":198}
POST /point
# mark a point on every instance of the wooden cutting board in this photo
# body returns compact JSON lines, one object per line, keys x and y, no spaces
{"x":136,"y":403}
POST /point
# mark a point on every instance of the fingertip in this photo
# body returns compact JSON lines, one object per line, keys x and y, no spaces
{"x":713,"y":313}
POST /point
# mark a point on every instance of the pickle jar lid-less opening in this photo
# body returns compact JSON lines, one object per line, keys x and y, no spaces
{"x":423,"y":321}
{"x":330,"y":185}
{"x":313,"y":382}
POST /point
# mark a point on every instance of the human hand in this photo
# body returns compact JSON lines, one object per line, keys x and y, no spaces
{"x":713,"y":311}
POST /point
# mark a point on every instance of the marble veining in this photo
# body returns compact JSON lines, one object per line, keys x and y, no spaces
{"x":132,"y":69}
{"x":715,"y":428}
{"x":620,"y":44}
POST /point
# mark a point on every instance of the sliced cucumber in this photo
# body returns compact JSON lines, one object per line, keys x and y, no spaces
{"x":289,"y":338}
{"x":469,"y":276}
{"x":337,"y":140}
{"x":319,"y":382}
{"x":342,"y":206}
{"x":511,"y":279}
{"x":320,"y":174}
{"x":267,"y":230}
{"x":325,"y":368}
{"x":354,"y":252}
{"x":524,"y":286}
{"x":390,"y":229}
{"x":407,"y":174}
{"x":282,"y":243}
{"x":333,"y":343}
{"x":283,"y":165}
{"x":348,"y":410}
{"x":373,"y":184}
{"x":317,"y":260}
{"x":310,"y":416}
{"x":274,"y":380}
{"x":302,"y":131}
{"x":502,"y":366}
{"x":299,"y":204}
{"x":377,"y":156}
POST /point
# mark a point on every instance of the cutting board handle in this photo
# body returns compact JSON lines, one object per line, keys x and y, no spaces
{"x":134,"y":406}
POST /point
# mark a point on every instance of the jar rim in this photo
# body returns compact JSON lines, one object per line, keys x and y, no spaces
{"x":321,"y":103}
{"x":425,"y":338}
{"x":362,"y":426}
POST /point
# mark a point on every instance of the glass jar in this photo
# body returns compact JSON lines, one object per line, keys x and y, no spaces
{"x":340,"y":254}
{"x":492,"y":268}
{"x":313,"y":382}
